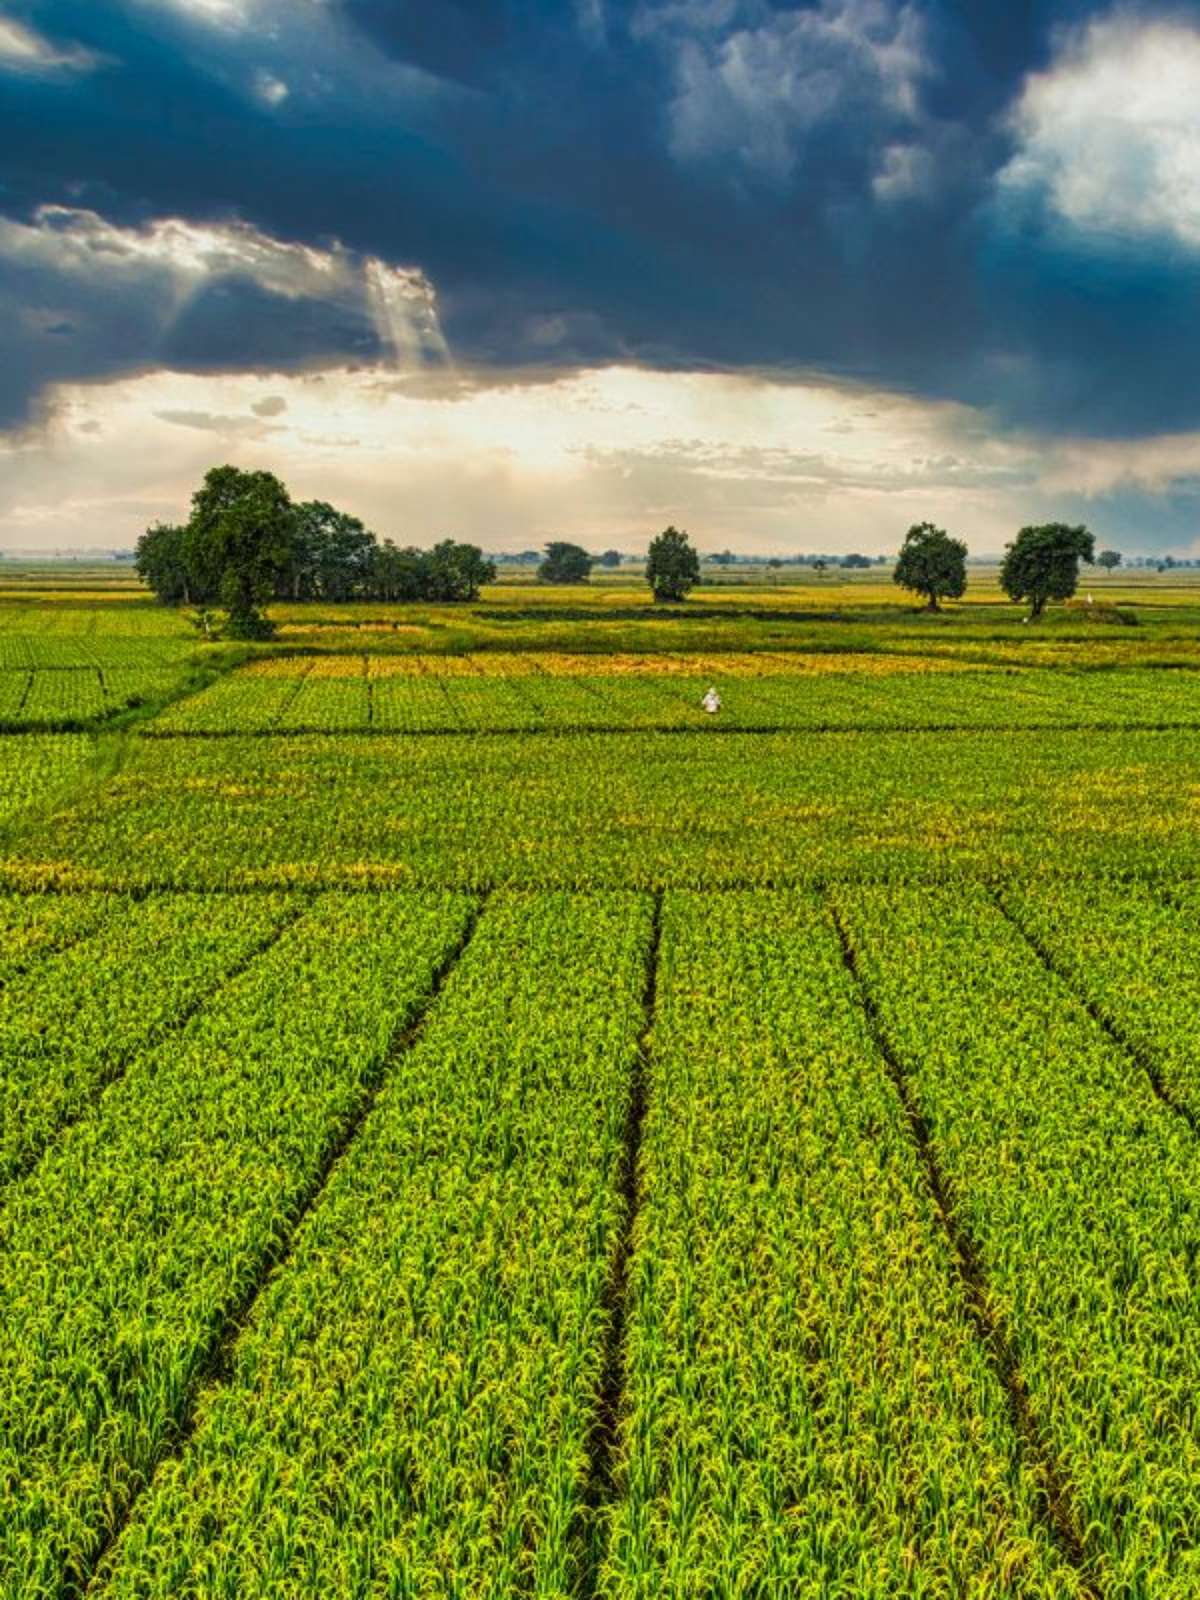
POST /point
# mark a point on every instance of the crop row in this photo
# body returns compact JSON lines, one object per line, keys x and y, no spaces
{"x":409,"y":1412}
{"x":310,"y":698}
{"x":624,"y":810}
{"x":1080,"y":1192}
{"x":127,"y":1251}
{"x":33,"y":927}
{"x":35,"y":767}
{"x":78,"y":1017}
{"x":1136,"y":958}
{"x":809,"y":1410}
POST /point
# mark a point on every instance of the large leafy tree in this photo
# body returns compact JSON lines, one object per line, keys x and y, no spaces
{"x":565,"y":563}
{"x":1109,"y":559}
{"x":672,"y":565}
{"x":239,"y":543}
{"x":1042,"y":563}
{"x":932,"y":564}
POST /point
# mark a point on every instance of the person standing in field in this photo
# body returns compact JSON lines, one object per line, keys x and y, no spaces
{"x":711,"y":701}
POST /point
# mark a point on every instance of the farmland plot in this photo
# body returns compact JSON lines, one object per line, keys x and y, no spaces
{"x":415,"y":1396}
{"x":1078,"y":1190}
{"x":808,"y":1404}
{"x":529,"y":691}
{"x":623,"y":810}
{"x":135,"y":1242}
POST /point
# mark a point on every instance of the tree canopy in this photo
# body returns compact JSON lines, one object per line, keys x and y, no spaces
{"x":932,"y":564}
{"x":247,"y":542}
{"x":1109,"y":559}
{"x":672,"y":565}
{"x":564,"y":563}
{"x":1042,"y":563}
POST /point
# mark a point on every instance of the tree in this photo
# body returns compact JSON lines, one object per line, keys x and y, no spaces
{"x":456,"y":571}
{"x":161,"y":561}
{"x":245,"y":542}
{"x":855,"y":560}
{"x":1042,"y":563}
{"x":331,"y":555}
{"x":672,"y":565}
{"x":932,"y":564}
{"x":239,"y":544}
{"x":1108,"y":559}
{"x":565,"y":563}
{"x":611,"y":558}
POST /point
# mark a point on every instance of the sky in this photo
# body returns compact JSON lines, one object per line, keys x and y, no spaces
{"x":790,"y":276}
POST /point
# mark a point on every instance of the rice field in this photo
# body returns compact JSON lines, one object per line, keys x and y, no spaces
{"x":474,"y":1124}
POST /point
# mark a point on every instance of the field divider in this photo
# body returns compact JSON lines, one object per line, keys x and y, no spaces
{"x":123,"y":1062}
{"x":286,"y":704}
{"x":604,"y":1444}
{"x":25,"y":693}
{"x":560,"y":729}
{"x":1140,"y":1057}
{"x":214,"y":1369}
{"x":1060,"y":1517}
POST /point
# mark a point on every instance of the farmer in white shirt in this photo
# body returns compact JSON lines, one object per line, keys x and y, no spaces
{"x":711,"y":701}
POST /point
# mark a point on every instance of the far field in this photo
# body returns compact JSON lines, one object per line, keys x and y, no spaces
{"x":472,"y":1124}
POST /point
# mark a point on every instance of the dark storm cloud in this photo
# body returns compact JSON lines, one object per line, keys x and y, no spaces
{"x":87,"y":300}
{"x":742,"y":184}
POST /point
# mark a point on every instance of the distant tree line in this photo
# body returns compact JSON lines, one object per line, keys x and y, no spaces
{"x":672,"y":564}
{"x":802,"y":558}
{"x":247,"y":542}
{"x":539,"y":558}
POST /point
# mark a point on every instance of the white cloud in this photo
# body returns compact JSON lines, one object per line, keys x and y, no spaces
{"x":1109,"y":136}
{"x":755,"y":83}
{"x":163,"y":265}
{"x":23,"y":50}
